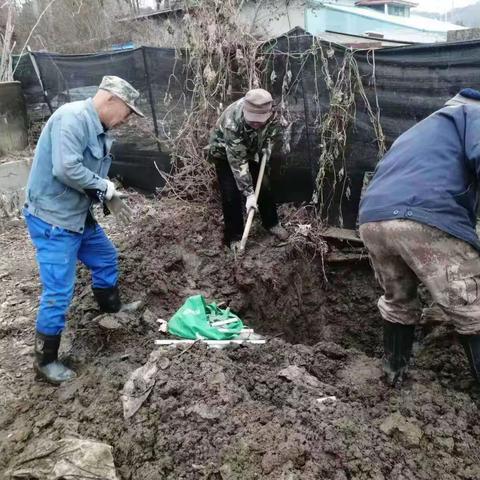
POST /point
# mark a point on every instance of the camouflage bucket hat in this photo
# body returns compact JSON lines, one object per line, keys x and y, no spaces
{"x":257,"y":106}
{"x":123,"y":90}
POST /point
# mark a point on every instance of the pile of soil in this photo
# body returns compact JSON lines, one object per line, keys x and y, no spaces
{"x":309,"y":404}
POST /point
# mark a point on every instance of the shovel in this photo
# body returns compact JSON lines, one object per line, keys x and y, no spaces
{"x":251,"y":213}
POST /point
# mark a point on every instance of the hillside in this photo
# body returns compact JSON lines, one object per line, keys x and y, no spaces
{"x":468,"y":16}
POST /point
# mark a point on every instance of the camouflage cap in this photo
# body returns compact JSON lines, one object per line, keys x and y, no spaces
{"x":257,"y":106}
{"x":123,"y":90}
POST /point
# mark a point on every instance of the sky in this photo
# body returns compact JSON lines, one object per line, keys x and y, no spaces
{"x":441,"y":6}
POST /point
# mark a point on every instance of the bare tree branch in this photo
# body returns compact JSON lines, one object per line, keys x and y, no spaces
{"x":33,"y":30}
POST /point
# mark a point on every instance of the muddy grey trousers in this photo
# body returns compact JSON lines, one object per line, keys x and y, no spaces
{"x":404,"y":253}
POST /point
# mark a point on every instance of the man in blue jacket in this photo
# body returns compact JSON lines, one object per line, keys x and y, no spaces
{"x":68,"y":175}
{"x":418,"y":219}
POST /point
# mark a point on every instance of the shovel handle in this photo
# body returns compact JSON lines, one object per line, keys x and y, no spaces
{"x":251,"y":213}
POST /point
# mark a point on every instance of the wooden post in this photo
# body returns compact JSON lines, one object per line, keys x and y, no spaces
{"x":251,"y":213}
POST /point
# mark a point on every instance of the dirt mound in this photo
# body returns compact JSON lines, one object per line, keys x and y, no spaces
{"x":307,"y":405}
{"x":234,"y":415}
{"x":281,"y":289}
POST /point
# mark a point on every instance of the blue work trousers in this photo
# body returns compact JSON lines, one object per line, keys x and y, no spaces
{"x":57,"y":253}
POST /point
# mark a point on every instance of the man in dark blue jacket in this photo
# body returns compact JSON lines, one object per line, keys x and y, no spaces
{"x":418,"y":219}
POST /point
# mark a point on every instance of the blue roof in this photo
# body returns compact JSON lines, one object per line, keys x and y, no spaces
{"x":416,"y":22}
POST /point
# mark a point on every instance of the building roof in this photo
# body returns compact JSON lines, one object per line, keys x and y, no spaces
{"x":416,"y":22}
{"x":344,"y":39}
{"x":368,"y":3}
{"x":151,"y":15}
{"x":358,"y":41}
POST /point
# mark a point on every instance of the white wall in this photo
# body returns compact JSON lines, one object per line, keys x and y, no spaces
{"x":321,"y":19}
{"x":348,"y":3}
{"x":272,"y":18}
{"x":13,"y":180}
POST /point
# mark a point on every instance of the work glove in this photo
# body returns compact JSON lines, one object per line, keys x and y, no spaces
{"x":110,"y":191}
{"x":251,"y":203}
{"x":120,"y":210}
{"x":101,"y":195}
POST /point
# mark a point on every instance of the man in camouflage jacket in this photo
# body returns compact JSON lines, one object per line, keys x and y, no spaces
{"x":244,"y":131}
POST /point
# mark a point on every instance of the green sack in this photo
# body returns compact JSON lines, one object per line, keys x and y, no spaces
{"x":195,"y":317}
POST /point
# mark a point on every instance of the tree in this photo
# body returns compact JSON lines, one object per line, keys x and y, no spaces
{"x":74,"y":26}
{"x":7,"y":42}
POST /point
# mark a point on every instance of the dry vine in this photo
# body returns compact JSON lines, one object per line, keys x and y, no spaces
{"x":343,"y":85}
{"x":222,"y":62}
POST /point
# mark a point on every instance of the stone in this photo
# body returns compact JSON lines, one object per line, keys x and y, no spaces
{"x":407,"y":431}
{"x":299,"y":376}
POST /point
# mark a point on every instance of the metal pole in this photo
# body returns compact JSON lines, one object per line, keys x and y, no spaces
{"x":39,"y":76}
{"x":150,"y":93}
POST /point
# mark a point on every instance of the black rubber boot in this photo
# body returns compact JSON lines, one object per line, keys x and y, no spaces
{"x":471,"y":345}
{"x":46,"y":363}
{"x":397,"y":345}
{"x":108,"y":299}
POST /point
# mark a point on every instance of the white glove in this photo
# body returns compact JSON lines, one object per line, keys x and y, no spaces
{"x":120,"y":210}
{"x":110,"y":192}
{"x":251,"y":203}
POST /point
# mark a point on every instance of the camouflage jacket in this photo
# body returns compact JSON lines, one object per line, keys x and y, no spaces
{"x":234,"y":140}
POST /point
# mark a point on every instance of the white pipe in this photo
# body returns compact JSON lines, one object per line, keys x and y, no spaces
{"x":208,"y":342}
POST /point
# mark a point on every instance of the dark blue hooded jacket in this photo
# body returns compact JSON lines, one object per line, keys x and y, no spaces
{"x":431,"y":175}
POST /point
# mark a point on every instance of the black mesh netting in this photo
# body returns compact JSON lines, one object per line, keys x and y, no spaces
{"x":409,"y":82}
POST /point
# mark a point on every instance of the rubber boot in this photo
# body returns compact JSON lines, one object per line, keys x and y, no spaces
{"x":397,"y":345}
{"x":471,"y":345}
{"x":108,"y":299}
{"x":46,"y":363}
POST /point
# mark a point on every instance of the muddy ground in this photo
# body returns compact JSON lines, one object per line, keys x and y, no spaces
{"x":243,"y":412}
